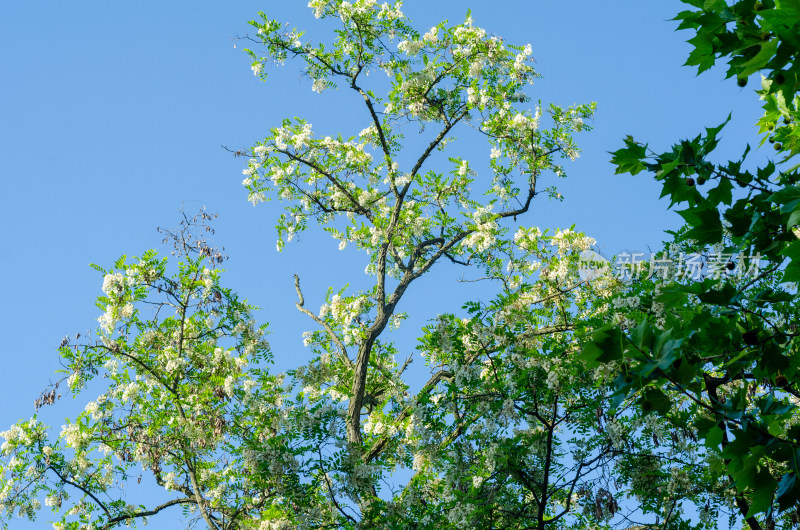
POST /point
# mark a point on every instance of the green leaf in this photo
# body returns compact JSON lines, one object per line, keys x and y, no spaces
{"x":786,"y":195}
{"x":794,"y":218}
{"x":721,"y":296}
{"x":658,"y":400}
{"x":714,"y":437}
{"x":759,"y":61}
{"x":642,"y":335}
{"x":761,"y":498}
{"x":672,"y":296}
{"x":702,"y":55}
{"x":722,"y":194}
{"x":705,"y":223}
{"x":792,"y":271}
{"x":686,"y":372}
{"x":605,"y":345}
{"x":786,"y":494}
{"x":665,"y":348}
{"x":629,"y":159}
{"x":711,"y":140}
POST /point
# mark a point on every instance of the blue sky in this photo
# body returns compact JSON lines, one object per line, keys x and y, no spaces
{"x":112,"y":115}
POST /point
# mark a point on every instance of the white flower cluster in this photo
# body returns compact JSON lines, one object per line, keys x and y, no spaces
{"x":319,"y":85}
{"x":616,"y":434}
{"x":460,"y":515}
{"x":283,"y":136}
{"x":336,"y":396}
{"x":359,"y":7}
{"x":346,"y":10}
{"x":569,"y":241}
{"x":15,"y":436}
{"x":276,"y":524}
{"x":73,"y":436}
{"x":468,"y":34}
{"x":278,"y":173}
{"x":93,"y":408}
{"x":679,"y":481}
{"x":171,"y":481}
{"x":355,"y":155}
{"x":390,"y":13}
{"x":477,"y":98}
{"x":343,"y":311}
{"x":553,"y":381}
{"x":368,"y":134}
{"x":523,"y":123}
{"x":207,"y":279}
{"x":129,"y":391}
{"x":465,"y":374}
{"x":521,"y":67}
{"x":300,"y":140}
{"x":376,"y":426}
{"x":53,"y":501}
{"x":606,"y":372}
{"x":261,"y":151}
{"x":432,"y":35}
{"x":360,"y":477}
{"x":140,"y":272}
{"x":114,"y":284}
{"x":318,"y":6}
{"x":346,"y":312}
{"x":483,"y":236}
{"x":411,"y":47}
{"x":113,"y":314}
{"x":627,"y":302}
{"x":414,"y":89}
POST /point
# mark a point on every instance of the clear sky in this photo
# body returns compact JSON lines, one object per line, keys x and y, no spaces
{"x":112,"y":115}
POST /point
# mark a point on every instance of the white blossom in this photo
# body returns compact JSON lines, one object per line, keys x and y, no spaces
{"x":432,"y":35}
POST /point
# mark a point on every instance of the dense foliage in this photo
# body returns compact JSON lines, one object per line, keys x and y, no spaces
{"x":572,"y":399}
{"x":721,"y":354}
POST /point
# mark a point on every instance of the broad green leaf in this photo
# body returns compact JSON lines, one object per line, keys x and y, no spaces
{"x":705,"y":223}
{"x":713,"y":438}
{"x":763,"y":493}
{"x":605,"y":345}
{"x":629,"y":159}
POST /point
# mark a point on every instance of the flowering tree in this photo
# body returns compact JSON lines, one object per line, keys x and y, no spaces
{"x":512,"y":429}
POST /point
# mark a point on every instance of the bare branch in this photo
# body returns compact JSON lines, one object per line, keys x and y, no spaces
{"x":343,"y":356}
{"x":146,"y":513}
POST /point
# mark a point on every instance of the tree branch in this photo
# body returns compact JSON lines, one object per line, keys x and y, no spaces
{"x":343,"y":356}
